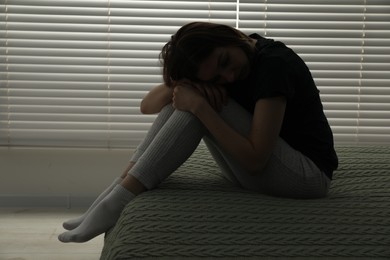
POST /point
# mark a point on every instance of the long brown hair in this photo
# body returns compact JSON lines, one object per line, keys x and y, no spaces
{"x":192,"y":43}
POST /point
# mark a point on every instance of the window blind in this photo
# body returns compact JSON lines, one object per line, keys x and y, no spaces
{"x":73,"y":73}
{"x":346,"y":45}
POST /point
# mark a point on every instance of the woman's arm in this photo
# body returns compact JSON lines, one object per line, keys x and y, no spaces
{"x":156,"y":99}
{"x":252,"y":151}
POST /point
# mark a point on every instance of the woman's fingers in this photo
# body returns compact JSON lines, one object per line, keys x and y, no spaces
{"x":216,"y":95}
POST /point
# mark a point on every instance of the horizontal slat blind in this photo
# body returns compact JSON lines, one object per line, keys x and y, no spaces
{"x":73,"y":72}
{"x":374,"y":107}
{"x":346,"y":45}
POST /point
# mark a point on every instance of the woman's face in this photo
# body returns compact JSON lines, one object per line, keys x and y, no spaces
{"x":224,"y":65}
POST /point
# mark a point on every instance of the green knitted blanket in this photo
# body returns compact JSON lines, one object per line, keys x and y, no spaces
{"x":197,"y":214}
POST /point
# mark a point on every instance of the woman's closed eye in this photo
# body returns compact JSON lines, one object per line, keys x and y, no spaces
{"x":223,"y":63}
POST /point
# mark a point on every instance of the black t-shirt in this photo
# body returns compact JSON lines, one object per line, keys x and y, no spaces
{"x":279,"y":71}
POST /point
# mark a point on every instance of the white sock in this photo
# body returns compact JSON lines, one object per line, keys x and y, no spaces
{"x":74,"y":223}
{"x":101,"y":218}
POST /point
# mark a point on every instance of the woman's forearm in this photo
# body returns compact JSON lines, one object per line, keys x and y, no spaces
{"x":156,"y":99}
{"x":238,"y":146}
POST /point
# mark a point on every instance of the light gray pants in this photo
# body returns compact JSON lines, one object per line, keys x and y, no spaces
{"x":175,"y":135}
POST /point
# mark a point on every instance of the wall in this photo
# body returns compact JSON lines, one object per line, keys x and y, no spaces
{"x":40,"y":177}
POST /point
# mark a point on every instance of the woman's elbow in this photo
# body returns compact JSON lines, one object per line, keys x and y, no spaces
{"x":146,"y":109}
{"x":143,"y":108}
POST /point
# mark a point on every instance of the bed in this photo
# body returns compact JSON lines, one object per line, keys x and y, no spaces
{"x":197,"y":214}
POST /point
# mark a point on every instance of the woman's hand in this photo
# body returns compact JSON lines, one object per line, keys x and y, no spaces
{"x":216,"y":95}
{"x":187,"y":98}
{"x":188,"y":94}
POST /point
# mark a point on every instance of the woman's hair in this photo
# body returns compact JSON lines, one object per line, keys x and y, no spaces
{"x":194,"y":42}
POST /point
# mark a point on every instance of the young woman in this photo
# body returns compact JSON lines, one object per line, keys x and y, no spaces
{"x":254,"y":103}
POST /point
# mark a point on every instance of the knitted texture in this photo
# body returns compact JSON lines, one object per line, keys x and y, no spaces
{"x":197,"y":214}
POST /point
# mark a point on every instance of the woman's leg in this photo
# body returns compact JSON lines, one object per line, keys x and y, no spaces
{"x":75,"y":222}
{"x":291,"y":174}
{"x":288,"y":173}
{"x":158,"y":123}
{"x":171,"y":146}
